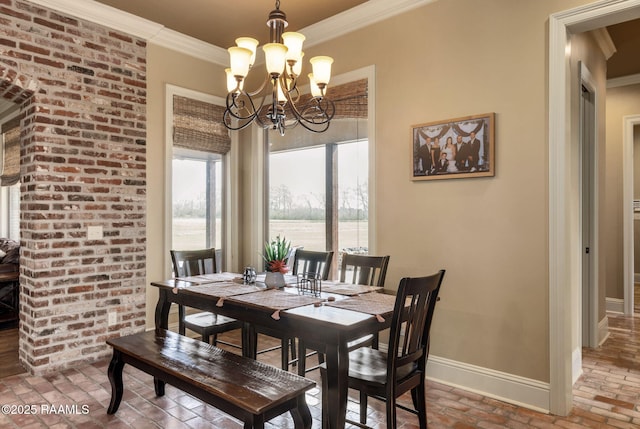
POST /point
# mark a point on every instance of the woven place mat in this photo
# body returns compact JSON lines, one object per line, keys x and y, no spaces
{"x":348,"y":289}
{"x":223,"y":289}
{"x":370,"y":303}
{"x":274,"y":299}
{"x":211,"y":278}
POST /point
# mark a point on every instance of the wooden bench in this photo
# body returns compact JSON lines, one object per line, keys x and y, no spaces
{"x":249,"y":390}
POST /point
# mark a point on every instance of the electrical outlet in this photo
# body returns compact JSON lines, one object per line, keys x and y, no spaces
{"x":94,"y":232}
{"x":113,"y":318}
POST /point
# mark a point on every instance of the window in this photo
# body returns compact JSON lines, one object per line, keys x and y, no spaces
{"x":199,"y":145}
{"x":197,"y":200}
{"x":297,"y":206}
{"x":298,"y":196}
{"x":353,"y":197}
{"x":318,"y":183}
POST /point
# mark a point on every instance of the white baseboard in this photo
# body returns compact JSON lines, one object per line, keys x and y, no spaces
{"x":603,"y":330}
{"x":615,"y":305}
{"x":576,"y":365}
{"x":505,"y":387}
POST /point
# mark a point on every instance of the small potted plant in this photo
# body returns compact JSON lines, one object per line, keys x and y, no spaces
{"x":275,"y":257}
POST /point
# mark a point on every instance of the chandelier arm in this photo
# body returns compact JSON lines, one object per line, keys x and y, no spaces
{"x":228,"y":122}
{"x":325,"y":112}
{"x":234,"y":106}
{"x":292,"y":94}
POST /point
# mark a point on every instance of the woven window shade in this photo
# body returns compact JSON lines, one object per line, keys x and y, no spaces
{"x":198,"y":125}
{"x":351,"y":100}
{"x":11,"y":152}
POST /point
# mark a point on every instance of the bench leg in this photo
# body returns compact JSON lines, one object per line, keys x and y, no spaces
{"x":301,"y":414}
{"x":115,"y":378}
{"x":158,"y":385}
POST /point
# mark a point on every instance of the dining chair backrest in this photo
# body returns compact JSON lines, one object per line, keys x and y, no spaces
{"x":364,"y":269}
{"x":311,"y":261}
{"x":411,"y":323}
{"x":193,"y":262}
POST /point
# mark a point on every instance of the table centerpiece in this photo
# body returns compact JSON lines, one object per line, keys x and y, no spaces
{"x":275,"y":257}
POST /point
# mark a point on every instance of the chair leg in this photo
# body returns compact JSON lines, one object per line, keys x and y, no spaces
{"x":363,"y":407}
{"x":420,"y":404}
{"x":391,"y":412}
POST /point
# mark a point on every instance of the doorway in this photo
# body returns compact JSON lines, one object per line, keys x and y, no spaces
{"x":631,"y":133}
{"x":588,"y":209}
{"x":563,"y":275}
{"x":10,"y":122}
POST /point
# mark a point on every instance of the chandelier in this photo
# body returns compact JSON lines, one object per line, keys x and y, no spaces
{"x":279,"y":94}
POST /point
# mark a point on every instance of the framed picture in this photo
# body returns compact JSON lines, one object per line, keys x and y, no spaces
{"x":454,"y":148}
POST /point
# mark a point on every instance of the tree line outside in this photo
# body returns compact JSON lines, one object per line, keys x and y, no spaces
{"x":352,"y":204}
{"x":284,"y":205}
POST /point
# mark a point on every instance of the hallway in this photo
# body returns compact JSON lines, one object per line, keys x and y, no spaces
{"x":607,"y":395}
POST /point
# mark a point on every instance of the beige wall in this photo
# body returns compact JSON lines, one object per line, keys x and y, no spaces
{"x":166,"y":67}
{"x":621,"y":101}
{"x":491,"y":233}
{"x":447,"y":59}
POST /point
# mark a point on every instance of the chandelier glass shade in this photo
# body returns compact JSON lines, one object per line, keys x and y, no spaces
{"x":278,"y":102}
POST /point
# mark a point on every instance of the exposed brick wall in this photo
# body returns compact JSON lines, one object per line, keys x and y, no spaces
{"x":83,"y":91}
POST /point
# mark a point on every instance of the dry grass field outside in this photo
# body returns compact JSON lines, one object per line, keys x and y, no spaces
{"x":189,"y":233}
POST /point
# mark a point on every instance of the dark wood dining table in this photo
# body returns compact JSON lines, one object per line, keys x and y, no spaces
{"x":315,"y":320}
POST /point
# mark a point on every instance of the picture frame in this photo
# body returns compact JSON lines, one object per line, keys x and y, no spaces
{"x":454,"y":148}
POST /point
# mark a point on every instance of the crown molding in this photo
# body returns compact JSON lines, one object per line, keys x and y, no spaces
{"x":358,"y":17}
{"x":188,"y":45}
{"x":105,"y":15}
{"x":604,"y":41}
{"x":353,"y":19}
{"x":632,"y":79}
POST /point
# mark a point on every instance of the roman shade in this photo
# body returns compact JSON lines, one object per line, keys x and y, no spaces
{"x":197,"y":125}
{"x":10,"y":173}
{"x":351,"y":99}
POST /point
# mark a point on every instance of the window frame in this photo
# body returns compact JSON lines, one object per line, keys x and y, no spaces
{"x":8,"y":205}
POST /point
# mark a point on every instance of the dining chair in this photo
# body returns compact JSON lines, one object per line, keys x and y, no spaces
{"x":304,"y":262}
{"x":363,"y":270}
{"x":386,"y":376}
{"x":312,"y":261}
{"x":208,"y":325}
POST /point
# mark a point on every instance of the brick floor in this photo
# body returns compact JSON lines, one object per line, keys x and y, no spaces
{"x":607,"y":395}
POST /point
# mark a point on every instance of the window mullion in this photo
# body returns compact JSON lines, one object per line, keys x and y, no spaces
{"x":331,"y":222}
